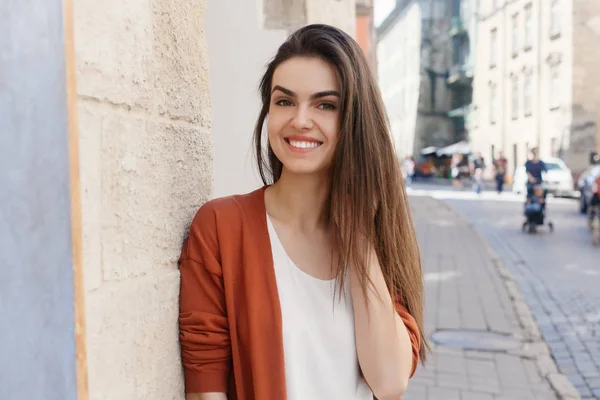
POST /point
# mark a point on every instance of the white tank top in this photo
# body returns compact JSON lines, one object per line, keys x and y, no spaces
{"x":318,"y":334}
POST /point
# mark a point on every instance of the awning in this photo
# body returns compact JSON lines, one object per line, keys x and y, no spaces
{"x":457,"y":112}
{"x":461,"y":147}
{"x":429,"y":150}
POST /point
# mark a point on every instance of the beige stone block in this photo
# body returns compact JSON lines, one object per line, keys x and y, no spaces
{"x":284,"y":14}
{"x":181,"y":60}
{"x":115,"y":60}
{"x":339,"y":13}
{"x":90,"y":165}
{"x":154,"y":178}
{"x":132,"y":339}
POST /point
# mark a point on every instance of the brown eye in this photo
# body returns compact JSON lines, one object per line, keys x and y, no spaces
{"x":283,"y":103}
{"x":327,"y":106}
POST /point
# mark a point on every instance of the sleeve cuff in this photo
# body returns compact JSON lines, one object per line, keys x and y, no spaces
{"x":206,"y":381}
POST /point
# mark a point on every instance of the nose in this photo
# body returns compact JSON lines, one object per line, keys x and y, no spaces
{"x":302,"y":119}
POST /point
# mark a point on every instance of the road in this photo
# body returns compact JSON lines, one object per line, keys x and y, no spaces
{"x":558,"y":273}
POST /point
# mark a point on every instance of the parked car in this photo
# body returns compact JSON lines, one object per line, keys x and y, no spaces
{"x":558,"y":180}
{"x":584,"y":185}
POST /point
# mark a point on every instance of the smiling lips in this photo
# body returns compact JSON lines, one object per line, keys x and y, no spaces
{"x":302,"y":144}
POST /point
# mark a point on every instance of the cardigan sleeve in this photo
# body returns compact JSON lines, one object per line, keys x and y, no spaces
{"x":203,"y":326}
{"x":413,"y":333}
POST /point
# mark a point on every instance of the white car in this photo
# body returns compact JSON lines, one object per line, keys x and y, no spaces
{"x":558,"y":180}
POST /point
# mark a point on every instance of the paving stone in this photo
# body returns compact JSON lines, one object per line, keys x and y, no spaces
{"x":436,"y":393}
{"x":452,"y":381}
{"x":593,"y":383}
{"x":415,"y":392}
{"x":584,"y":390}
{"x":468,"y":395}
{"x":479,"y":355}
{"x":489,"y":389}
{"x":484,"y":381}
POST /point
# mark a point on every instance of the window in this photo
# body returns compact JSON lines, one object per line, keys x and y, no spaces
{"x":554,"y":19}
{"x":550,"y":166}
{"x":493,"y":46}
{"x":528,"y":27}
{"x":527,"y":95}
{"x":554,"y":94}
{"x":493,"y":104}
{"x":515,"y":34}
{"x":515,"y":98}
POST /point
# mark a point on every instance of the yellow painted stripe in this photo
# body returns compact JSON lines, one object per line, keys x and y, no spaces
{"x":79,"y":288}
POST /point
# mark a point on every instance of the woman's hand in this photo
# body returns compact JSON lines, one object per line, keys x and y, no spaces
{"x":383,"y":344}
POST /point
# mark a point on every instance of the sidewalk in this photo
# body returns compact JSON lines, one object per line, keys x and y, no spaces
{"x":467,"y":184}
{"x":466,"y":289}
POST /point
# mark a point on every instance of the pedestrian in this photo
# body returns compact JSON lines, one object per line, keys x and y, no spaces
{"x":455,"y":170}
{"x":500,"y":166}
{"x":535,"y":168}
{"x":311,"y":286}
{"x":478,"y":168}
{"x":408,"y":166}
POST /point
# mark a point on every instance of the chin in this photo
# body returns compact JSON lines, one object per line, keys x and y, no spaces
{"x":304,"y":168}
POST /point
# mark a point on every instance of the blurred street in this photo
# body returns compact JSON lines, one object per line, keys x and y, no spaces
{"x":557,"y":274}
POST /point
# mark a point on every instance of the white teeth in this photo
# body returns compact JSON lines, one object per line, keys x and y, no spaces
{"x":304,"y":145}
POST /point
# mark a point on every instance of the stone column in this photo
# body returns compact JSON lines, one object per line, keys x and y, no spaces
{"x":146,"y":167}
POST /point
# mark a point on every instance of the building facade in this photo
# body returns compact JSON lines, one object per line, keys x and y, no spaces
{"x":463,"y":36}
{"x":399,"y":66}
{"x":534,"y":80}
{"x":414,"y":57}
{"x":366,"y":34}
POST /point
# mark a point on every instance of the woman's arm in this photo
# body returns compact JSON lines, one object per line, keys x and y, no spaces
{"x":384,"y":347}
{"x":203,"y":324}
{"x":206,"y":396}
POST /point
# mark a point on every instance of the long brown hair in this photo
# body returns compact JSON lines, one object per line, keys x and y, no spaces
{"x":367,"y":198}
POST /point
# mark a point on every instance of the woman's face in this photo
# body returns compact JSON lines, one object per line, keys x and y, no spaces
{"x":304,"y":116}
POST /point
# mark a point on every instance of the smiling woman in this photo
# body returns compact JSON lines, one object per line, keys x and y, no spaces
{"x":310,"y":287}
{"x":304,"y":119}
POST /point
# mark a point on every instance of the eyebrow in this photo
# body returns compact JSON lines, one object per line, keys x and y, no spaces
{"x":314,"y":96}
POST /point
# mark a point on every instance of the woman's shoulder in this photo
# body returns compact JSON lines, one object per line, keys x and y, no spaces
{"x":225,"y":210}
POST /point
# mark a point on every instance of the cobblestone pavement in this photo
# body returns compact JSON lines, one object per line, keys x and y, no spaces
{"x":464,"y":290}
{"x":558,"y":274}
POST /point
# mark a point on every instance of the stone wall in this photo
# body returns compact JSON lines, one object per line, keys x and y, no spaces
{"x":146,"y":167}
{"x":339,"y":13}
{"x":293,"y":14}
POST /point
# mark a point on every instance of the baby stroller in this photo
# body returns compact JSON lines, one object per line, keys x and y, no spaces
{"x":535,"y":209}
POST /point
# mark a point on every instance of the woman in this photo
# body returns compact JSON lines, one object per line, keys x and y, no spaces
{"x":310,"y":287}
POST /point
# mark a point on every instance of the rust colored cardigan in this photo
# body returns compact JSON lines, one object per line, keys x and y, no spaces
{"x":230,"y":318}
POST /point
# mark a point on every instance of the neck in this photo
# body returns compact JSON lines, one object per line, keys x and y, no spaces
{"x":299,"y":200}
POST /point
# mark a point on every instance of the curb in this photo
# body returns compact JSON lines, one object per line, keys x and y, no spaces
{"x":535,"y":347}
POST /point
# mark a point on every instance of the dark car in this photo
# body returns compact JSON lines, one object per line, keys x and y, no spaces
{"x":584,"y":185}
